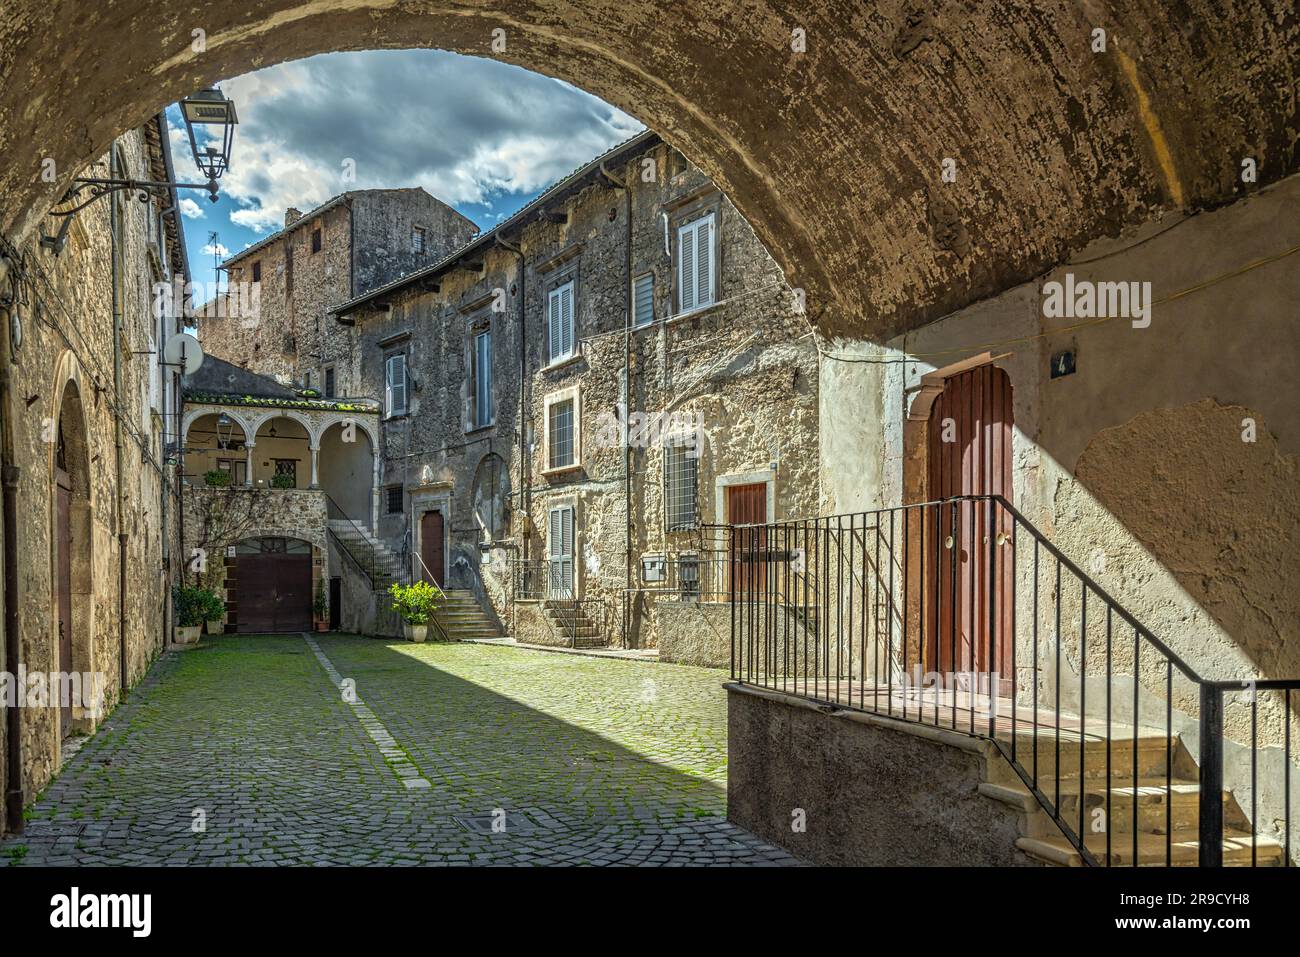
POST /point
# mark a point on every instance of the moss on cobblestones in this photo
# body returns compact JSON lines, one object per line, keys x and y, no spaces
{"x":596,"y":761}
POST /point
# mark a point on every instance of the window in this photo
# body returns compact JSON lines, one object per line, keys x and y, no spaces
{"x":417,"y":239}
{"x":559,"y":322}
{"x":395,"y":385}
{"x":306,"y":379}
{"x":643,"y":300}
{"x":681,"y":478}
{"x":482,"y":413}
{"x":287,"y":467}
{"x":315,"y":240}
{"x":329,"y":382}
{"x":559,"y":552}
{"x":257,"y":271}
{"x":238,"y":469}
{"x":695,"y":272}
{"x":561,"y":451}
{"x":394,"y":499}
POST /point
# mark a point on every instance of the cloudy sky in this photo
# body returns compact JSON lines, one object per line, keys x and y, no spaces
{"x":483,"y":136}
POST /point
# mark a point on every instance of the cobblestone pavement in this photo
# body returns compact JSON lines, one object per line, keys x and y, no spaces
{"x":587,"y":761}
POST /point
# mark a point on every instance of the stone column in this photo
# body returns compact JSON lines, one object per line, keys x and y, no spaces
{"x":248,"y":468}
{"x":315,"y":475}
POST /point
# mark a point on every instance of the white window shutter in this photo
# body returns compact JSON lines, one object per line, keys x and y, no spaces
{"x":685,"y":267}
{"x":704,"y":262}
{"x":566,"y":301}
{"x":553,"y":324}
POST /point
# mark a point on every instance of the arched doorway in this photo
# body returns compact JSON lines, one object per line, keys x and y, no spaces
{"x":70,"y":555}
{"x":968,"y":457}
{"x":273,"y":585}
{"x":345,"y":471}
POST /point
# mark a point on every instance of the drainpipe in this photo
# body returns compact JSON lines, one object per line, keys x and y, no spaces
{"x":625,"y":186}
{"x":9,"y":475}
{"x":525,"y":478}
{"x":114,"y":226}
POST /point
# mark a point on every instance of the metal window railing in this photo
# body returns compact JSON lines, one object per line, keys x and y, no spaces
{"x":960,"y":614}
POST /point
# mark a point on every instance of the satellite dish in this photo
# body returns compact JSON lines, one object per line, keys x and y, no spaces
{"x":183,"y":350}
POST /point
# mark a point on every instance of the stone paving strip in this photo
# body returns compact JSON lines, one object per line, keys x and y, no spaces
{"x":397,"y":759}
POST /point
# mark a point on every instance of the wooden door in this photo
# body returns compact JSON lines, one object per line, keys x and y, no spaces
{"x":431,"y":548}
{"x":969,"y":446}
{"x":63,"y":585}
{"x":274,"y":591}
{"x":747,"y":505}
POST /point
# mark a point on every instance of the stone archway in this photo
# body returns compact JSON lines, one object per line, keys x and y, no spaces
{"x":898,"y":161}
{"x":71,"y":562}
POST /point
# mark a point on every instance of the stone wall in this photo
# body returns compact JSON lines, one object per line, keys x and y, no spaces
{"x":1165,"y":465}
{"x":365,"y":241}
{"x":851,"y":789}
{"x":64,"y":370}
{"x":218,"y":519}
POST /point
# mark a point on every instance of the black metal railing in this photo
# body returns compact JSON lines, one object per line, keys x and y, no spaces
{"x":960,"y":614}
{"x":571,"y":619}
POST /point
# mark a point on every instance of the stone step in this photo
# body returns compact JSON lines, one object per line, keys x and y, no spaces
{"x":1184,"y":847}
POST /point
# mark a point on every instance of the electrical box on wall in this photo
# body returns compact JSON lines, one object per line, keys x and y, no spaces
{"x":653,"y":568}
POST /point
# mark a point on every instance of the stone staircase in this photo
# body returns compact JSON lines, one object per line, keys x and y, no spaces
{"x":572,"y":624}
{"x":1159,"y":812}
{"x":463,"y":619}
{"x":380,"y":564}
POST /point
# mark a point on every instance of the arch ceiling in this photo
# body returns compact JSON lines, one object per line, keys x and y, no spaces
{"x":834,"y":154}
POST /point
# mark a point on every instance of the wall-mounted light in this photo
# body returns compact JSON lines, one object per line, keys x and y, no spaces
{"x":207,"y":108}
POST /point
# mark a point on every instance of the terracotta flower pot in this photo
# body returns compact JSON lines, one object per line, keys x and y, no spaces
{"x":216,"y":627}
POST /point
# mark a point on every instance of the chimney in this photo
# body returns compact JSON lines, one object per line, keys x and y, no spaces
{"x":291,"y":216}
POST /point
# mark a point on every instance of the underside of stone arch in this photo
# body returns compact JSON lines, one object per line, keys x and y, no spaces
{"x":835,"y":152}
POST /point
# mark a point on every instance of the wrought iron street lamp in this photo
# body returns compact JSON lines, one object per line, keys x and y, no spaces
{"x":209,"y":111}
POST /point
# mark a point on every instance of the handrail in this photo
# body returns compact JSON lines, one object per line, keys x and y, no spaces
{"x":951,"y":593}
{"x":441,"y":594}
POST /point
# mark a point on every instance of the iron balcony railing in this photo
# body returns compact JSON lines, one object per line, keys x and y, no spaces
{"x":961,"y":614}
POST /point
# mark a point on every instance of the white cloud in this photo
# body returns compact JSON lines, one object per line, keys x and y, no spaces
{"x":470,"y":131}
{"x":190,"y":209}
{"x":216,"y":249}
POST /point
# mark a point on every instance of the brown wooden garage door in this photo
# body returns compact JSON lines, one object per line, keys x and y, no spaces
{"x":273,"y":585}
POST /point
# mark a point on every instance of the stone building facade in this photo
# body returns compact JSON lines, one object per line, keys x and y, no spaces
{"x":280,"y":492}
{"x":89,"y":419}
{"x":512,"y":370}
{"x":275,"y":320}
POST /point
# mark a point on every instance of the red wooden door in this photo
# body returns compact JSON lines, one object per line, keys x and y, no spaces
{"x":970,"y":454}
{"x":63,"y":585}
{"x":747,"y":505}
{"x":431,"y":547}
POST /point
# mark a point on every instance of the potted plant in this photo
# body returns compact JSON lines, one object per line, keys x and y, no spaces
{"x":283,"y":480}
{"x":213,"y":610}
{"x":321,"y":606}
{"x":187,"y":607}
{"x":415,"y":603}
{"x":216,"y":478}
